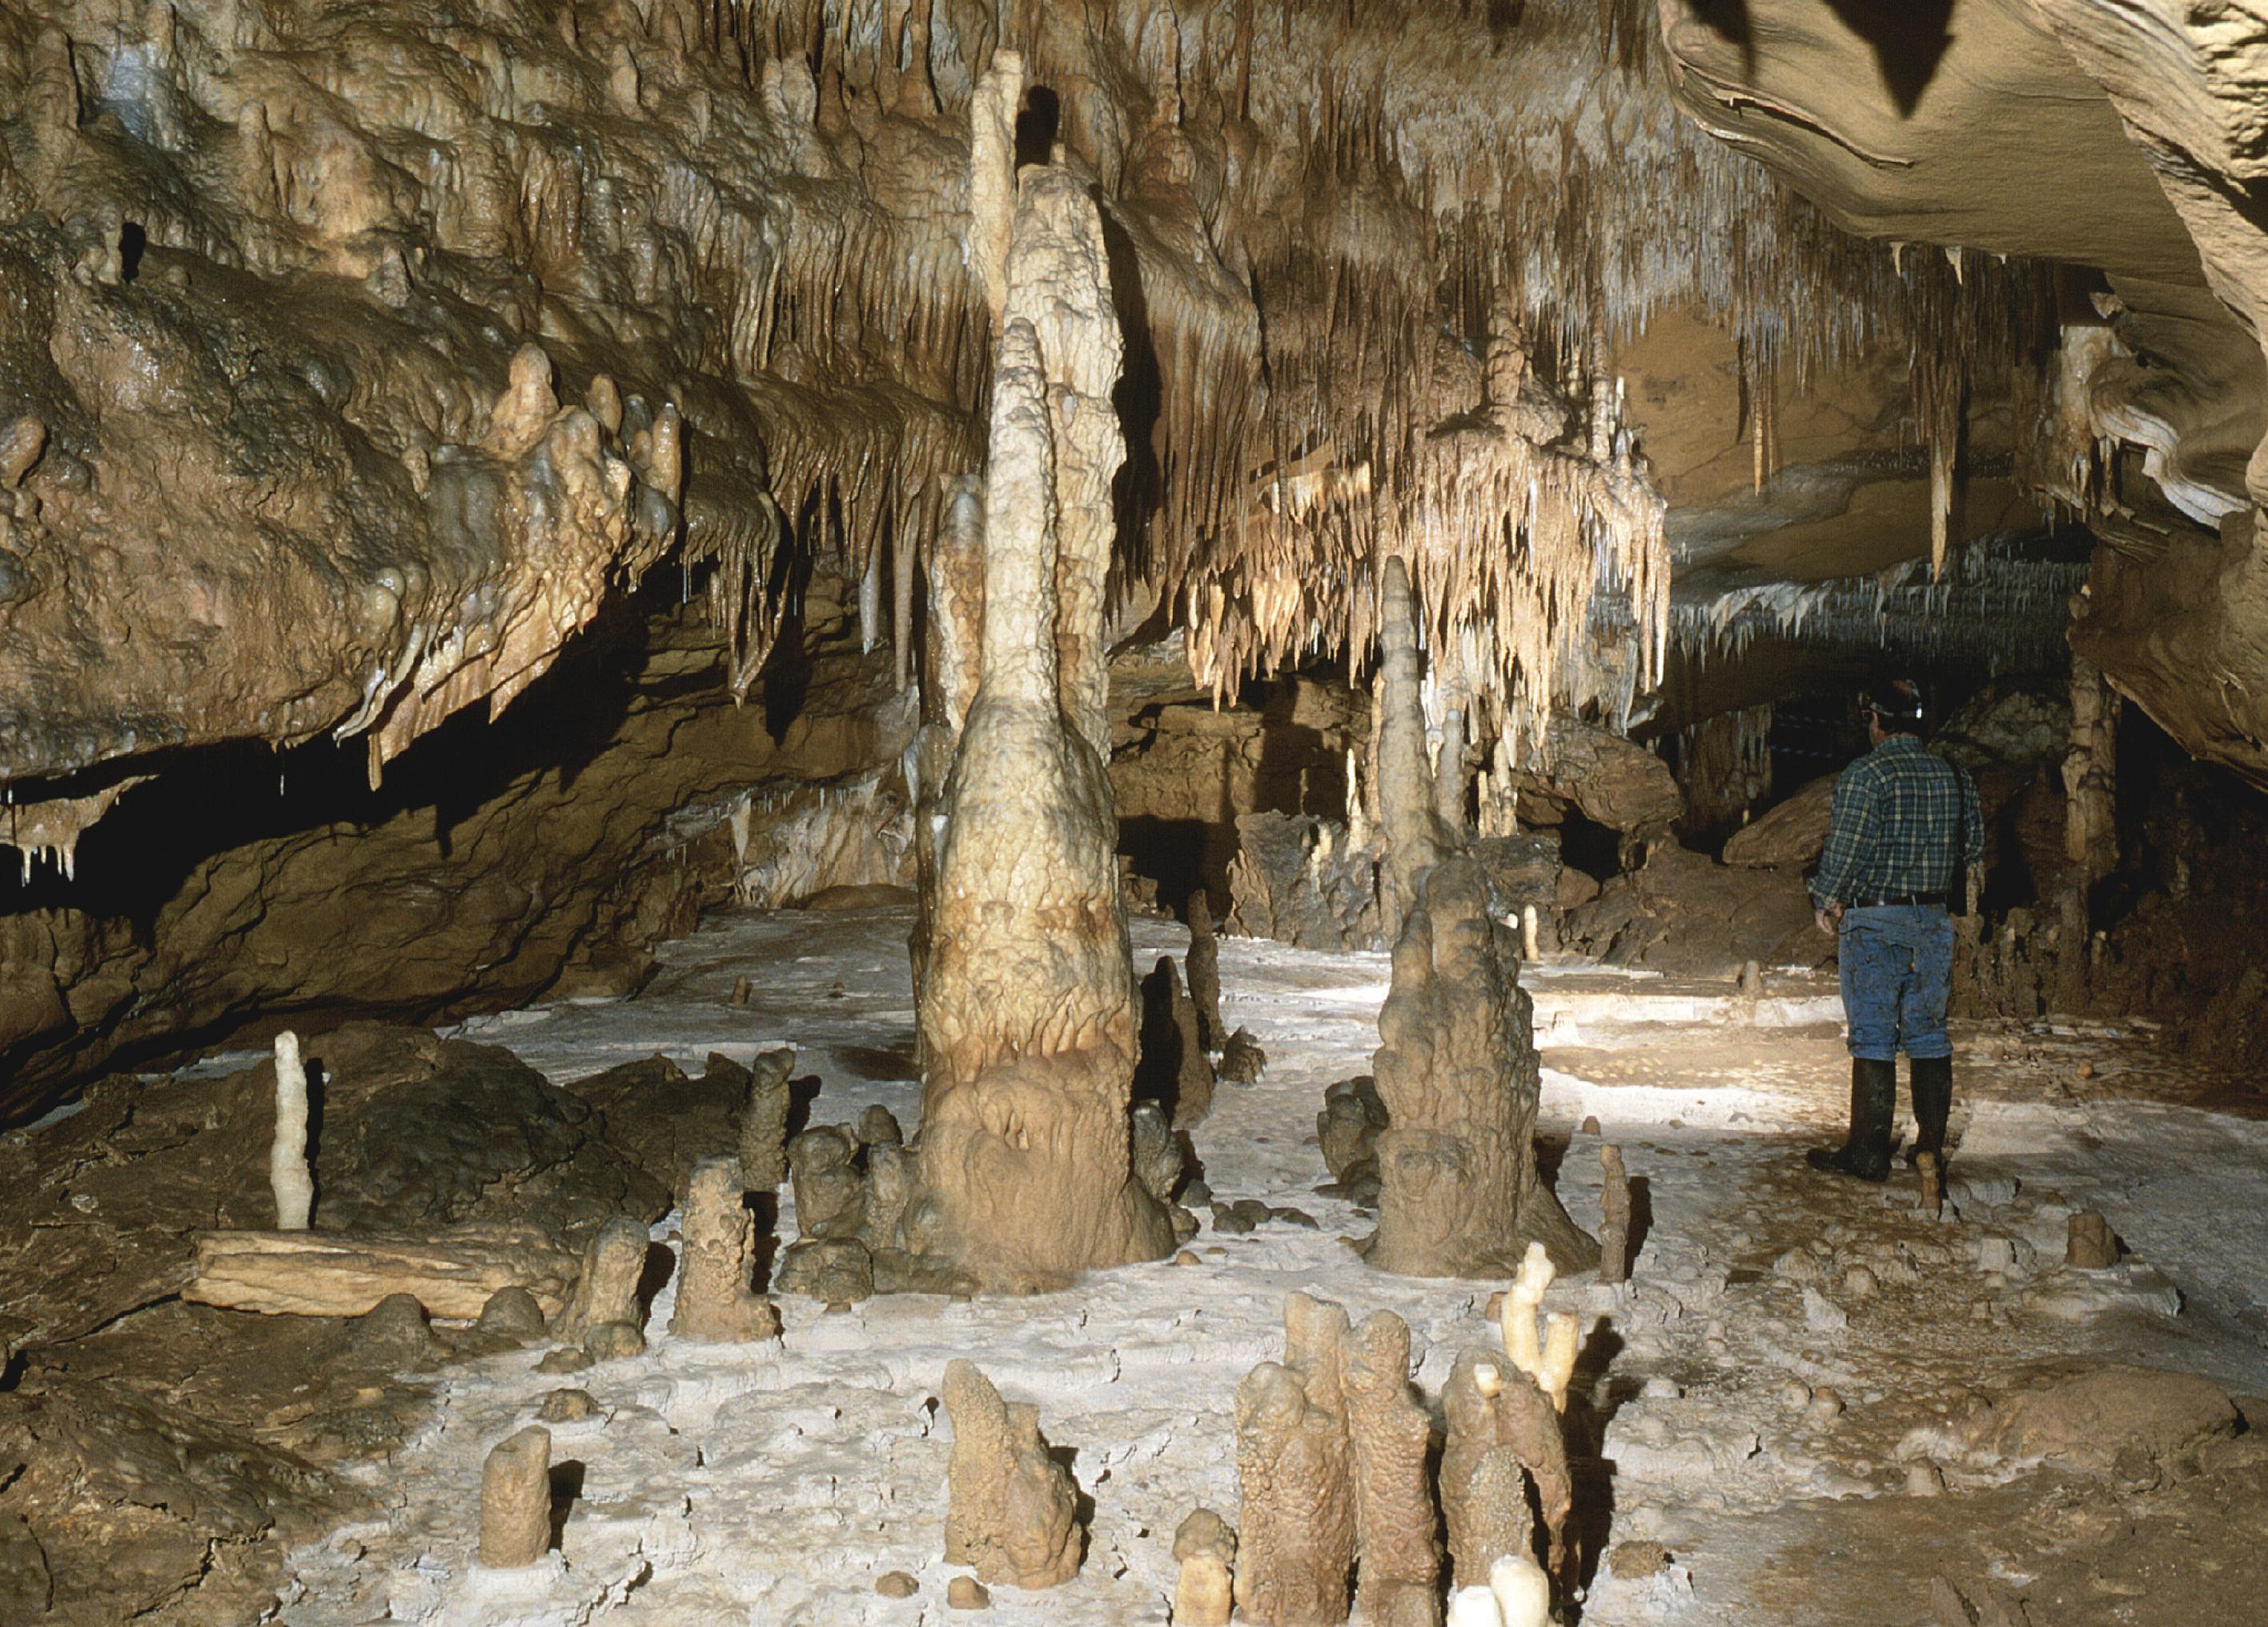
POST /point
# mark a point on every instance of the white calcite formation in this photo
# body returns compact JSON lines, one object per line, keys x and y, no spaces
{"x":288,"y":1174}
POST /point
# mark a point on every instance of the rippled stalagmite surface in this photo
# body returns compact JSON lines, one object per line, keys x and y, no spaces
{"x":1027,"y":1012}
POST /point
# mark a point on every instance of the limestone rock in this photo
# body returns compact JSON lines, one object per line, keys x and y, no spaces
{"x":716,"y":1302}
{"x":837,"y":1271}
{"x":126,"y":1500}
{"x":452,"y":1274}
{"x":607,"y":1290}
{"x":567,"y":1406}
{"x":2092,"y":1246}
{"x":1013,"y":1514}
{"x":2088,"y":1420}
{"x":1457,"y":1070}
{"x":830,"y":1189}
{"x":1204,"y":967}
{"x":1615,"y":782}
{"x":965,"y":1593}
{"x":1155,"y":1152}
{"x":763,"y":1121}
{"x":516,"y":1500}
{"x":1302,"y":880}
{"x":1790,"y":834}
{"x":614,"y":1341}
{"x":1242,"y":1060}
{"x":1205,"y":1548}
{"x":512,"y":1316}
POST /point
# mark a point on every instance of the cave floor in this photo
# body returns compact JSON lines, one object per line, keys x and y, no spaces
{"x":773,"y":1483}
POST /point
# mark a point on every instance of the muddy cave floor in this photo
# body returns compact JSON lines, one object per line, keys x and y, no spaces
{"x":774,"y":1484}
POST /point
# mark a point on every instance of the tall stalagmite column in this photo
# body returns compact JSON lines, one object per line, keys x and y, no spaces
{"x":1027,"y":1013}
{"x":1459,"y":1192}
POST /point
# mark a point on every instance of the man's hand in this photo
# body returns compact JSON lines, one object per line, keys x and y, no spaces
{"x":1828,"y":918}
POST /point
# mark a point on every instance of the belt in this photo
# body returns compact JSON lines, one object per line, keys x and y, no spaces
{"x":1903,"y":901}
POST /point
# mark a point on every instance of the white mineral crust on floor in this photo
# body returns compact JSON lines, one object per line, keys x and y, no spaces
{"x":774,"y":1482}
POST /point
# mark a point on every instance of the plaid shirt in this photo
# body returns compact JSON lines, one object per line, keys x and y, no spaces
{"x":1904,"y":819}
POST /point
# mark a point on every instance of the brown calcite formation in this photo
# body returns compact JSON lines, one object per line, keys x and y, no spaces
{"x":1458,"y":1072}
{"x":1398,"y":1548}
{"x":716,"y":1301}
{"x":763,"y":1121}
{"x":1295,"y":1470}
{"x":1416,"y":840}
{"x":1202,"y":965}
{"x":606,"y":1292}
{"x":1484,"y":1489}
{"x":1027,"y":1013}
{"x":1012,"y":1512}
{"x":1174,"y":1068}
{"x":516,"y":1500}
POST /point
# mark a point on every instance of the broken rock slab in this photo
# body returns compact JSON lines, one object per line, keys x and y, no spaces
{"x":452,"y":1274}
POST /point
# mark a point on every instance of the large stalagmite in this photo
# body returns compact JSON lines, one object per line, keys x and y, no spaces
{"x":1460,"y":1195}
{"x":1027,"y":1016}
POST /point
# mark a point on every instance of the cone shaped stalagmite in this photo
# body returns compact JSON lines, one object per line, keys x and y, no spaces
{"x":1460,"y":1194}
{"x":1026,"y":1010}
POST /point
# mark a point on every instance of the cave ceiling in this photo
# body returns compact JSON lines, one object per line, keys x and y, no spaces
{"x":351,"y":354}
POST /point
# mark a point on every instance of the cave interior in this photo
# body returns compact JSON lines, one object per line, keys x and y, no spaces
{"x":830,"y":812}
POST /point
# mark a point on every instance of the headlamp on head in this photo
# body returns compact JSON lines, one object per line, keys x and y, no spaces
{"x":1895,"y":701}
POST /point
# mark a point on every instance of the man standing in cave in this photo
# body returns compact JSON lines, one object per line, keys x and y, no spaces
{"x":1905,"y":824}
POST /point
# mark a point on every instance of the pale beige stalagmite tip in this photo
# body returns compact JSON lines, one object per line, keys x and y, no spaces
{"x":1516,"y":1318}
{"x":1562,"y":1342}
{"x":288,"y":1176}
{"x":992,"y":112}
{"x":1206,"y":1547}
{"x":1522,"y":1590}
{"x":516,"y":1500}
{"x":1474,"y":1607}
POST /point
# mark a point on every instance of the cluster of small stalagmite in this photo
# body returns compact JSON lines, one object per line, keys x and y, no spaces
{"x":1343,"y":1475}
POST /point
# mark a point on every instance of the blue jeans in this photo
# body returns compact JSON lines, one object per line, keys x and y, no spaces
{"x":1897,"y":971}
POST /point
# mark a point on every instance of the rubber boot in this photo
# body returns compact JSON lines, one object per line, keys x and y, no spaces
{"x":1931,"y":1084}
{"x":1866,"y":1154}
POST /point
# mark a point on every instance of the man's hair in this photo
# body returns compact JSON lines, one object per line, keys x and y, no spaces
{"x":1895,"y":703}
